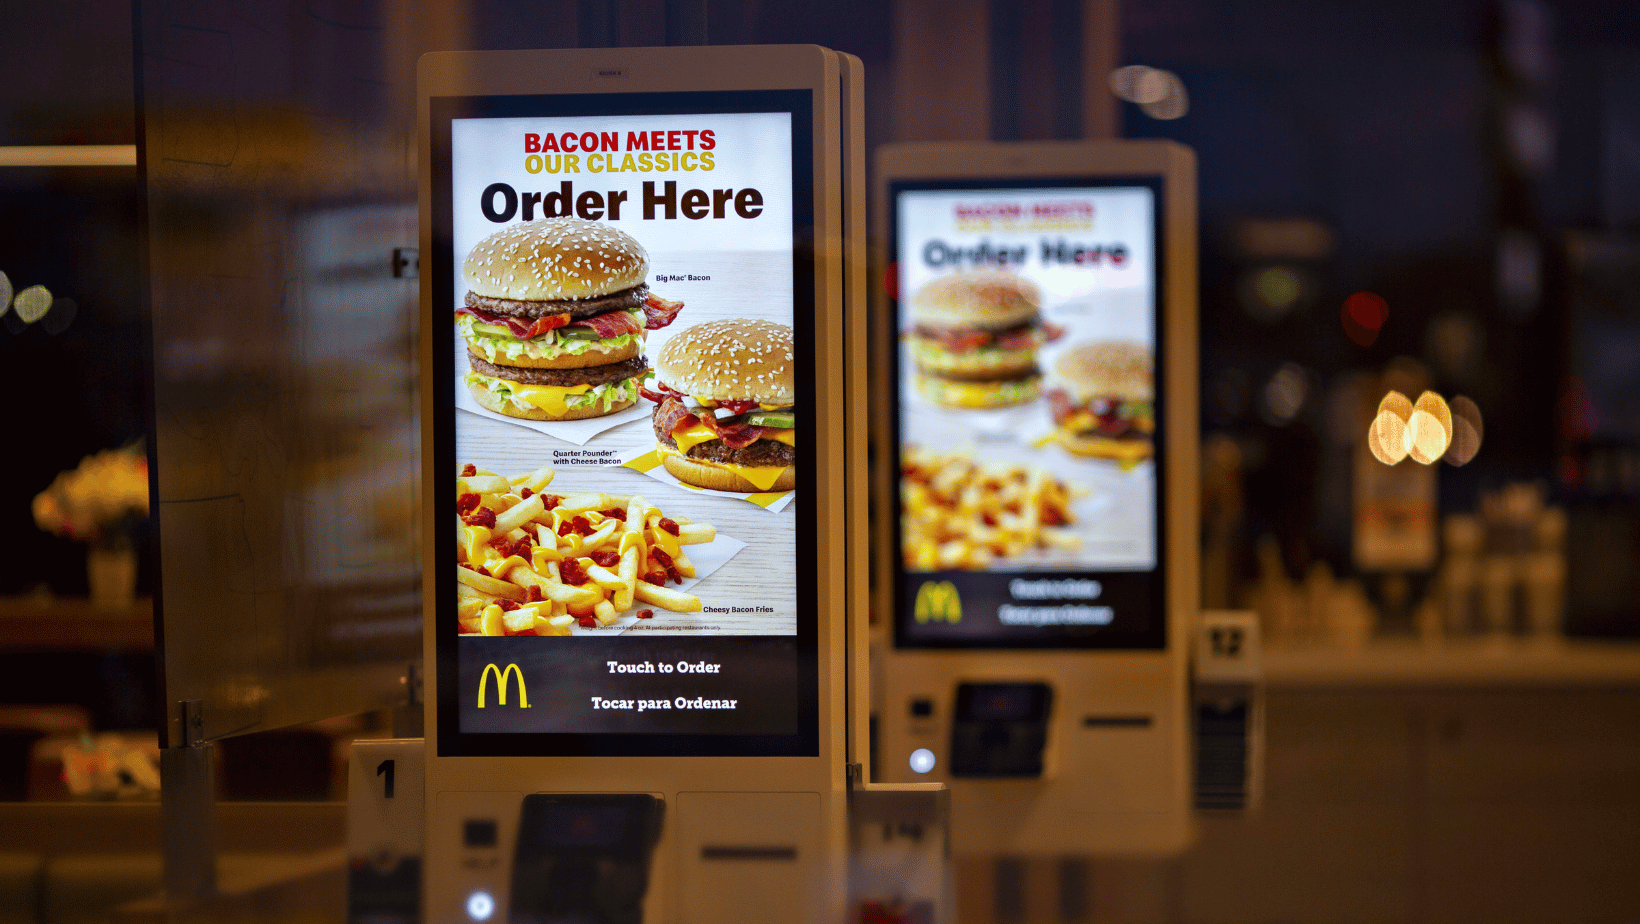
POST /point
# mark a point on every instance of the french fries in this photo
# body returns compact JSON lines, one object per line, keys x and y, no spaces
{"x":530,"y":563}
{"x":958,"y":514}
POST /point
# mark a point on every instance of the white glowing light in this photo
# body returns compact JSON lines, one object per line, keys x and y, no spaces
{"x":922,"y":760}
{"x":32,"y":303}
{"x":480,"y":905}
{"x":1389,"y":435}
{"x":1429,"y":429}
{"x":1139,"y":84}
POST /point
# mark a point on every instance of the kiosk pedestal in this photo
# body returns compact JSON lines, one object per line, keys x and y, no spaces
{"x":1037,"y":561}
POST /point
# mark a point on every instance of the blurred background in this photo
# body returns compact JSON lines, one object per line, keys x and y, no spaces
{"x":1400,"y":195}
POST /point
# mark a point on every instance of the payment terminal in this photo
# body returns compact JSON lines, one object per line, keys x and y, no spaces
{"x":1036,"y":493}
{"x":632,"y":352}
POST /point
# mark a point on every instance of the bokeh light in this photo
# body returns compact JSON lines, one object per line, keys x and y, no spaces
{"x":1388,"y":435}
{"x":5,"y":293}
{"x":1285,"y":393}
{"x":1426,"y":431}
{"x":1363,"y":315}
{"x":1467,"y":431}
{"x":1271,"y":293}
{"x":1159,"y":94}
{"x":32,"y":303}
{"x":1139,"y":84}
{"x":62,"y":314}
{"x":1429,"y":429}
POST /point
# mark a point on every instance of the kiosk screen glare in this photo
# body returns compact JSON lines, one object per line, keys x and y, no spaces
{"x":623,"y":317}
{"x":1029,"y":399}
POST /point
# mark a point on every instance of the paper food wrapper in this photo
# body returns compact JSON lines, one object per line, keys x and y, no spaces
{"x":650,"y":464}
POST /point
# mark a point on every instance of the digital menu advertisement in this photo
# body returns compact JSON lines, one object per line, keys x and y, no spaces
{"x":1028,"y":397}
{"x":627,"y":384}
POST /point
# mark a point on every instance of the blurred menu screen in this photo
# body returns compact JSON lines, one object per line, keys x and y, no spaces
{"x":1029,"y":404}
{"x":622,"y":313}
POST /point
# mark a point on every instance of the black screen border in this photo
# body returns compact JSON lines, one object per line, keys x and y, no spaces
{"x":1153,"y":635}
{"x":800,"y":103}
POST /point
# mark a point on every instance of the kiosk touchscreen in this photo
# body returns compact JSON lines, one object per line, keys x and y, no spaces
{"x":632,"y":300}
{"x":1037,"y":558}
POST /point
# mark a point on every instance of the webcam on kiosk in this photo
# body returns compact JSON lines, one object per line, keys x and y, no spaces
{"x":632,"y":343}
{"x":1036,"y":547}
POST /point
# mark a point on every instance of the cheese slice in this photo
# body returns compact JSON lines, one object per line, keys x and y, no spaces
{"x":692,"y":436}
{"x":761,"y":476}
{"x":1127,"y":453}
{"x":549,"y":398}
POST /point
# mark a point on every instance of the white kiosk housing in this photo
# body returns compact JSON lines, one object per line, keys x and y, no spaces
{"x":636,"y":686}
{"x":1037,"y":558}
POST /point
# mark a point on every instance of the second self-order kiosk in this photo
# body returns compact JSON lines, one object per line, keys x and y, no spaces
{"x":1036,"y":580}
{"x":633,"y":281}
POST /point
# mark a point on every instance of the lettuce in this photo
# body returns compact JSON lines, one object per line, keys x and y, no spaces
{"x":498,"y":349}
{"x":609,"y":395}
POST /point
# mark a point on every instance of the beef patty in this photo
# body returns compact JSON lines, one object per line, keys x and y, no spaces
{"x":762,"y":452}
{"x":562,"y":378}
{"x":577,"y":308}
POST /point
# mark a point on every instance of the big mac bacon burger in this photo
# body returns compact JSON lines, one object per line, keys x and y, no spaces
{"x":976,"y":337}
{"x":554,"y":317}
{"x":724,"y":419}
{"x":1103,"y":401}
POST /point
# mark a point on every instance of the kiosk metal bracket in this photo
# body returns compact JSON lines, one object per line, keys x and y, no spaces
{"x":188,"y":805}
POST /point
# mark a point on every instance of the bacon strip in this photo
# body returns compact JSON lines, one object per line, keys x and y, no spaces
{"x":955,"y":341}
{"x":609,"y":324}
{"x":520,"y":329}
{"x":659,"y":393}
{"x":1106,"y":412}
{"x":660,"y":312}
{"x":671,"y":414}
{"x":736,"y":435}
{"x":961,"y":341}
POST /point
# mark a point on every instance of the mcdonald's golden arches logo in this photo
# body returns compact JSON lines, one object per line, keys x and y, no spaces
{"x":501,"y":678}
{"x":938,"y":601}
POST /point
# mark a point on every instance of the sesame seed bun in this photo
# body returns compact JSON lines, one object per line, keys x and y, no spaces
{"x":1107,"y":369}
{"x":989,"y":300}
{"x":554,"y":259}
{"x":715,"y":477}
{"x":733,"y":360}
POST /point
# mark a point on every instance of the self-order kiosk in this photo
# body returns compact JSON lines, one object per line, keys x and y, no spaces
{"x":633,"y":298}
{"x":1036,"y":578}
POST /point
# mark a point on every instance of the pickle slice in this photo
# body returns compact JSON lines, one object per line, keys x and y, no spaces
{"x":578,"y":333}
{"x":782,"y":419}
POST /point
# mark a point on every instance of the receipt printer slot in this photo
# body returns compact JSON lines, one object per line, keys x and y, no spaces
{"x":1000,"y":729}
{"x":584,"y":858}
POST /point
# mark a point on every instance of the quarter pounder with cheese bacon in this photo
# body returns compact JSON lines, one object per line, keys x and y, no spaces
{"x":1103,"y":401}
{"x":724,"y":394}
{"x":555,"y":318}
